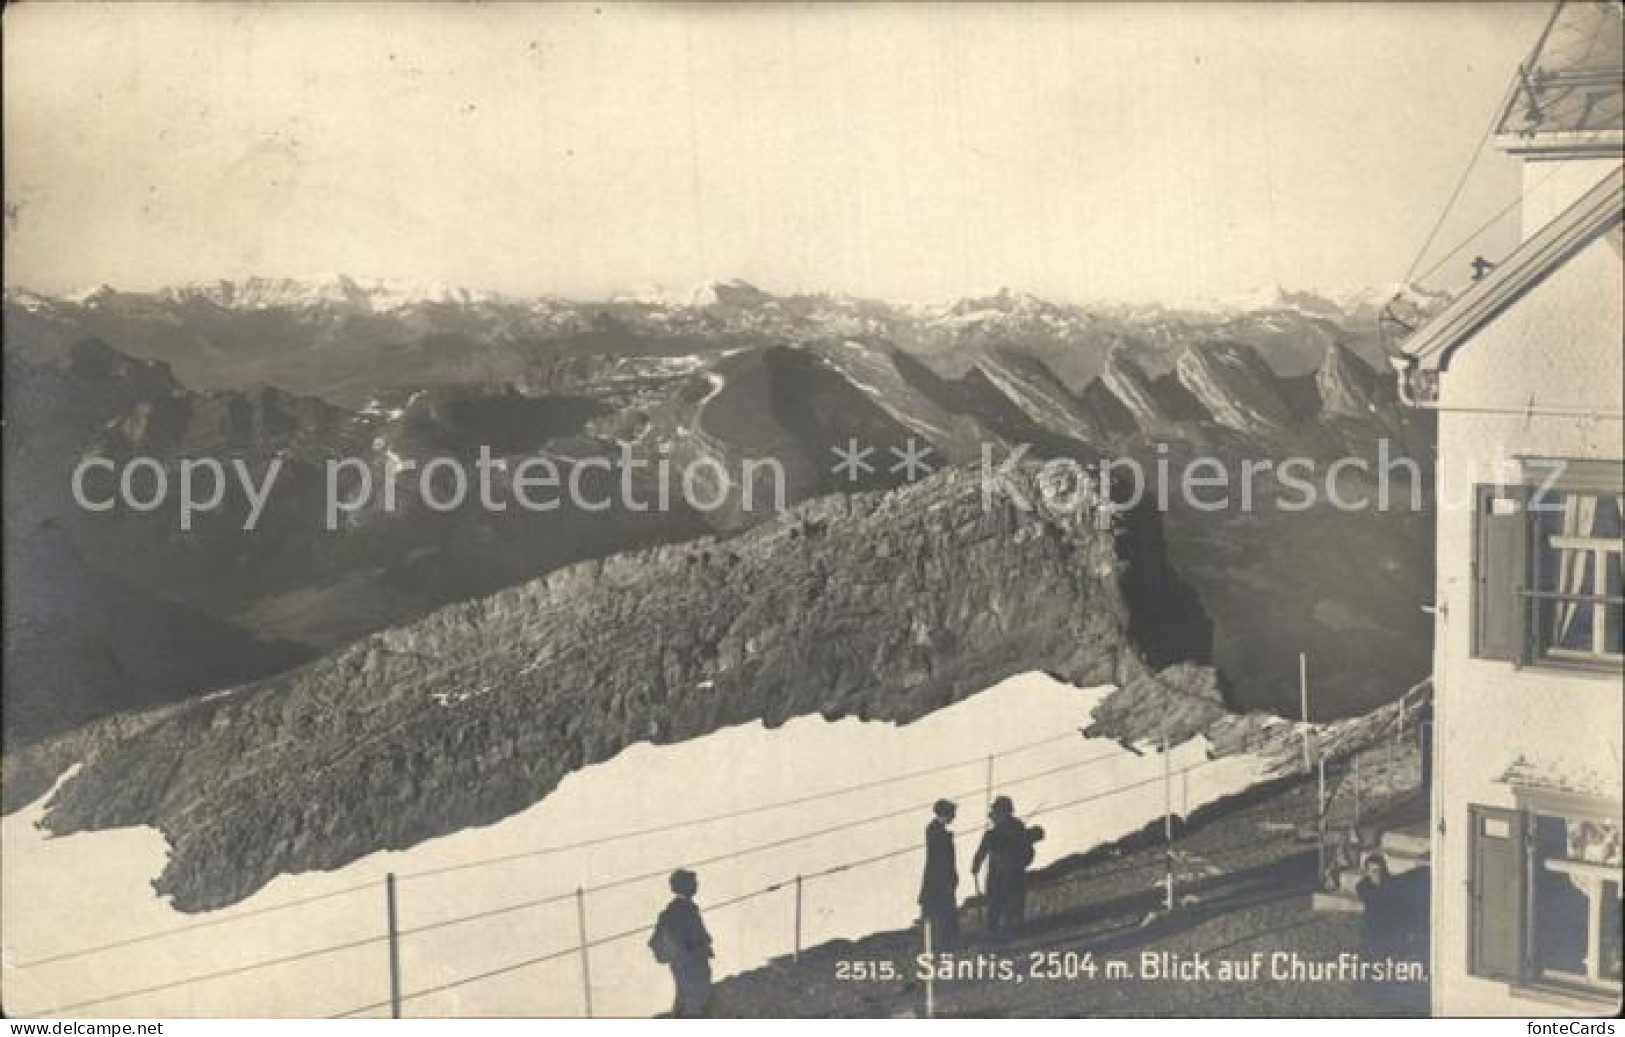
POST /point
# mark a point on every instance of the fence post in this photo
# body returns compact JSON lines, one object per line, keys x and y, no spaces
{"x":930,"y":974}
{"x":1168,"y":818}
{"x":1303,"y":706}
{"x":394,"y":948}
{"x":1321,"y":803}
{"x":1356,"y":793}
{"x":798,"y":919}
{"x":586,"y":965}
{"x":987,"y":801}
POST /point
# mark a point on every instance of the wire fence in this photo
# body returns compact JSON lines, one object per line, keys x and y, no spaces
{"x":797,"y":882}
{"x":393,"y":938}
{"x":622,"y":836}
{"x":395,"y":935}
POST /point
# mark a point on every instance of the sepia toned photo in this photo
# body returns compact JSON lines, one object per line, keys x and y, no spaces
{"x":561,"y":511}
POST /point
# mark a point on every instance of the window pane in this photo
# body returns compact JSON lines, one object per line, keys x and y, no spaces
{"x":1575,"y":884}
{"x":1566,"y":626}
{"x":1596,"y":842}
{"x":1614,"y":638}
{"x":1574,"y":626}
{"x":1572,"y":572}
{"x":1563,"y":570}
{"x":1578,"y":514}
{"x":1562,"y":912}
{"x":1608,"y":521}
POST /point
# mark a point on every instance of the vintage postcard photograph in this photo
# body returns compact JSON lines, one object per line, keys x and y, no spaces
{"x":884,"y":511}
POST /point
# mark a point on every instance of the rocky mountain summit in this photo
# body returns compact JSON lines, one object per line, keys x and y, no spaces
{"x":1348,"y":386}
{"x":729,"y":376}
{"x":118,"y":608}
{"x":1147,"y":404}
{"x":1034,"y":390}
{"x":298,"y":697}
{"x":1235,"y":386}
{"x":83,"y":641}
{"x":878,"y":605}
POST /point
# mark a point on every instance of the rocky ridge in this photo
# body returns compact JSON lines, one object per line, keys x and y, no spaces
{"x":1039,"y":395}
{"x":1184,"y":701}
{"x":1129,"y":383}
{"x":882,"y":605}
{"x":1235,"y":386}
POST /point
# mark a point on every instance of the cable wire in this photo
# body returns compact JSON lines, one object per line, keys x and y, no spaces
{"x":207,"y":977}
{"x":746,"y":851}
{"x":726,"y":815}
{"x":539,"y":852}
{"x":913,"y":847}
{"x":207,"y":923}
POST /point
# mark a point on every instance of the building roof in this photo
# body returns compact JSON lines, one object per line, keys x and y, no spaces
{"x":1572,"y":82}
{"x":1597,"y":212}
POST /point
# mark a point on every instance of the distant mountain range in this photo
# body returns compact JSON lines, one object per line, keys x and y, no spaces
{"x":379,"y":295}
{"x":346,"y":339}
{"x":307,"y":371}
{"x":122,"y":630}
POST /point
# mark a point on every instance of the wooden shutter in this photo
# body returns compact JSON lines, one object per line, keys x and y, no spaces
{"x":1496,"y":893}
{"x":1501,"y":531}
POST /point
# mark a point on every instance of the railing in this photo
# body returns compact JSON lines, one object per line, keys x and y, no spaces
{"x":395,"y":889}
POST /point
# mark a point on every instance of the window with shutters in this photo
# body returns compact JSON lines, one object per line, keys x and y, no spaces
{"x":1577,"y":611}
{"x":1575,"y":902}
{"x":1545,"y":908}
{"x":1547,"y":570}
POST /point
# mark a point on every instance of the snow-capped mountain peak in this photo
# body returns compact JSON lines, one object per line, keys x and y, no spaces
{"x":734,"y":292}
{"x":334,"y":290}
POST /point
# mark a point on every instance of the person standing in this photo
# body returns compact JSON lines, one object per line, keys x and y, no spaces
{"x":939,"y":886}
{"x":1382,"y":936}
{"x":1008,"y":848}
{"x":681,"y":941}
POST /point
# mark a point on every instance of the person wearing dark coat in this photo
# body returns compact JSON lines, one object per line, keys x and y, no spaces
{"x":681,"y":941}
{"x":1382,"y":929}
{"x":939,"y":886}
{"x":1007,"y":847}
{"x":1383,"y":922}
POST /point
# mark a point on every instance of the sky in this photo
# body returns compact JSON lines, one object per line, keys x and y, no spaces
{"x":1094,"y":151}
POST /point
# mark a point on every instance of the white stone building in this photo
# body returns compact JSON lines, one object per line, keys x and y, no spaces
{"x":1524,"y":370}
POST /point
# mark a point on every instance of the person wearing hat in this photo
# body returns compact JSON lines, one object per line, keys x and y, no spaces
{"x":1007,"y":847}
{"x":939,"y":886}
{"x":681,"y":941}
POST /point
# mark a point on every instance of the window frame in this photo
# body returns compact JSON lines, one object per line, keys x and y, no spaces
{"x":1567,"y":806}
{"x":1526,"y":979}
{"x":1543,"y":482}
